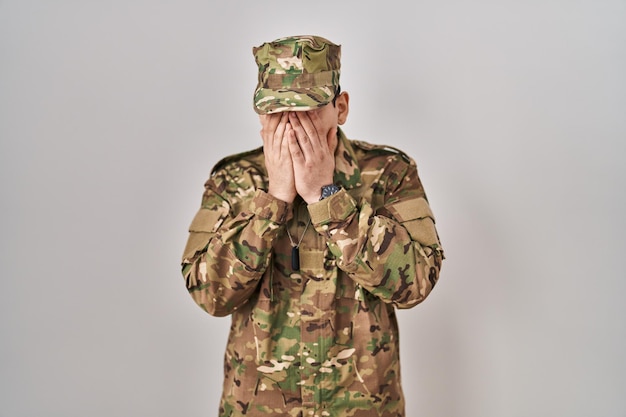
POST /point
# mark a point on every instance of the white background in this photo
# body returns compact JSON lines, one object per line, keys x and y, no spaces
{"x":113,"y":112}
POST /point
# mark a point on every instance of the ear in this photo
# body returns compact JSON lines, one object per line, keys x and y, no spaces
{"x":343,"y":107}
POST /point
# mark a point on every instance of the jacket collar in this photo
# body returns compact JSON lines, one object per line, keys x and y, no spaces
{"x":347,"y":172}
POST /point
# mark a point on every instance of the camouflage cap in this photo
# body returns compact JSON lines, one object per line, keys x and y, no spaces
{"x":296,"y":73}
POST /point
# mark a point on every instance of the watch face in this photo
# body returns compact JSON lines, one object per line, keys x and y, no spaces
{"x":329,"y":190}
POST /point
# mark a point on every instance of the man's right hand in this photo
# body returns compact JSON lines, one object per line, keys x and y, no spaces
{"x":275,"y":132}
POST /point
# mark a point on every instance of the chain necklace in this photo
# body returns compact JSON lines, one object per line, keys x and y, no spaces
{"x":295,"y":248}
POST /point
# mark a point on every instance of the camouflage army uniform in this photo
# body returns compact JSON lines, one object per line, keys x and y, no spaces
{"x":323,"y":340}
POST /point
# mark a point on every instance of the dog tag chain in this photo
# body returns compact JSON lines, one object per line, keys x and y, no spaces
{"x":295,"y":248}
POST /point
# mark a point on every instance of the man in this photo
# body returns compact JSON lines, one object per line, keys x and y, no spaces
{"x":310,"y":243}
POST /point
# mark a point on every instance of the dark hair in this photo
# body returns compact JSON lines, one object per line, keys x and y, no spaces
{"x":337,"y":92}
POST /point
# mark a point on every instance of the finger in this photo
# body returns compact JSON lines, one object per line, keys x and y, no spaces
{"x":288,"y":136}
{"x":269,"y":122}
{"x":316,"y":146}
{"x":294,"y":146}
{"x":303,"y":138}
{"x":310,"y":122}
{"x":276,"y":130}
{"x":295,"y":122}
{"x":279,"y":132}
{"x":303,"y":122}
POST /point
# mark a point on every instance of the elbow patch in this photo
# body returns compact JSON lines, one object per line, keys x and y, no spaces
{"x":418,"y":219}
{"x":205,"y":223}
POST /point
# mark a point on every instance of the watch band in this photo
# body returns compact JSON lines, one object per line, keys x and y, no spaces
{"x":329,"y":190}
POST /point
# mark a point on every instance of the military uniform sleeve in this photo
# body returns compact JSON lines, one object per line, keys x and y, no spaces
{"x":230,"y":240}
{"x":395,"y":252}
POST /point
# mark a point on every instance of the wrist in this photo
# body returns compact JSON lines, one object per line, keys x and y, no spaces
{"x":281,"y":195}
{"x":322,"y":193}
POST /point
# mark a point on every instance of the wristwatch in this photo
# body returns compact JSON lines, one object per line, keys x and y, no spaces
{"x":329,"y":190}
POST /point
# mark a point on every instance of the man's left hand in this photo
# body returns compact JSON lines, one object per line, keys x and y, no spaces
{"x":313,"y":154}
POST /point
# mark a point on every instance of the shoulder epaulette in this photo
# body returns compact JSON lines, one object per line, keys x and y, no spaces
{"x":371,"y":147}
{"x":235,"y":157}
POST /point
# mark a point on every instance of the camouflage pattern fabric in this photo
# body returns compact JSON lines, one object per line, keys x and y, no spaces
{"x":296,"y":73}
{"x":321,"y":341}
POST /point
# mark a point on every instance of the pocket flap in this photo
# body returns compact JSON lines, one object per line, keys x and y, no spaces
{"x":418,"y":219}
{"x":207,"y":220}
{"x":416,"y":208}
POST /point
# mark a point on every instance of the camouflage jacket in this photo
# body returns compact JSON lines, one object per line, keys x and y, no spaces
{"x":323,"y":340}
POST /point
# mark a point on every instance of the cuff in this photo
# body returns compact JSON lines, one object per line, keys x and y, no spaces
{"x":334,"y":209}
{"x":267,"y":207}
